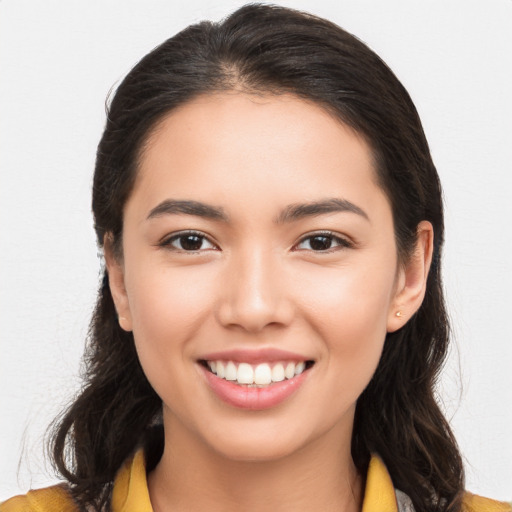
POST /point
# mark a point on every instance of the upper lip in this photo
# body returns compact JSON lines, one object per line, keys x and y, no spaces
{"x":254,"y":356}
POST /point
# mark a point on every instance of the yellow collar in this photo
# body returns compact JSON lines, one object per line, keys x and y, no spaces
{"x":130,"y":493}
{"x":131,"y":489}
{"x":379,"y":493}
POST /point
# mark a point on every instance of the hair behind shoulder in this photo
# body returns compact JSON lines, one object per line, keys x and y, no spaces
{"x":270,"y":49}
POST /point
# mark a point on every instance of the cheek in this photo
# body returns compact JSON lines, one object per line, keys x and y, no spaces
{"x":348,"y":309}
{"x":168,"y":305}
{"x":348,"y":297}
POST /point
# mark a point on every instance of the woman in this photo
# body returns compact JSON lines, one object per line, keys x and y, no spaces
{"x":271,"y":321}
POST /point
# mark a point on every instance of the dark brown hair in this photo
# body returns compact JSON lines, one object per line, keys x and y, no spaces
{"x":270,"y":49}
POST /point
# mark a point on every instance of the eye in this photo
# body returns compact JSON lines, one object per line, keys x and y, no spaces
{"x":188,"y":241}
{"x":322,"y":242}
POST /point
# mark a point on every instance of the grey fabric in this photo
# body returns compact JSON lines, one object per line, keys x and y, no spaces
{"x":404,"y":502}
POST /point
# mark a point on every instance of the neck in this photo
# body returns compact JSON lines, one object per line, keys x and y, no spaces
{"x":193,"y":477}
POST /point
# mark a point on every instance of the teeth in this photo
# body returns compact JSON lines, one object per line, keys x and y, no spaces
{"x":231,"y":373}
{"x":245,"y":374}
{"x":289,"y":371}
{"x":262,"y":374}
{"x":278,"y":373}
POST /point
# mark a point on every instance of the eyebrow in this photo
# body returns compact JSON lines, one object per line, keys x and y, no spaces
{"x":197,"y":208}
{"x":291,"y":213}
{"x":298,"y":211}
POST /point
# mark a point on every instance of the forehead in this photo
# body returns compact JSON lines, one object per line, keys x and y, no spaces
{"x":240,"y":146}
{"x":273,"y":120}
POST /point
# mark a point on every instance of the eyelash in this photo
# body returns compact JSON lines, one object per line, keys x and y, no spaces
{"x":342,"y":243}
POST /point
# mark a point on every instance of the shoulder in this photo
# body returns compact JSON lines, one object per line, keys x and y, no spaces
{"x":474,"y":503}
{"x":470,"y":503}
{"x":48,"y":499}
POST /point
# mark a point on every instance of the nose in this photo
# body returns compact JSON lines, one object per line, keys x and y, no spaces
{"x":254,"y":295}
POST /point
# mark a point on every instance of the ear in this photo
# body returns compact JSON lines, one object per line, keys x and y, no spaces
{"x":115,"y":271}
{"x":412,"y":279}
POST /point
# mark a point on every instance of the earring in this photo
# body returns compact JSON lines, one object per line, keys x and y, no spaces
{"x":398,"y":313}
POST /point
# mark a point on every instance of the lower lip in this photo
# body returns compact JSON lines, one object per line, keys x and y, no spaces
{"x":255,"y":399}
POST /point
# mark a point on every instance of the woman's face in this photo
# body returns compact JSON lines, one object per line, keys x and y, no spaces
{"x":257,"y":242}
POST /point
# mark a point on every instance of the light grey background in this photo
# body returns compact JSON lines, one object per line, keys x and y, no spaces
{"x":58,"y":60}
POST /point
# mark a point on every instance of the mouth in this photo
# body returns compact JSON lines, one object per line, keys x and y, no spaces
{"x":261,"y":375}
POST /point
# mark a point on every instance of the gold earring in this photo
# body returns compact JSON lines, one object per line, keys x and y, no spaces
{"x":398,"y":313}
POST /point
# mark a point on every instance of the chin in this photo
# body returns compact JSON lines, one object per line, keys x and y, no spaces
{"x":244,"y":451}
{"x":258,"y":443}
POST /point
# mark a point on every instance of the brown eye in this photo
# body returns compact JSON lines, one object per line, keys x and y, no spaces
{"x":322,"y":242}
{"x":189,"y":242}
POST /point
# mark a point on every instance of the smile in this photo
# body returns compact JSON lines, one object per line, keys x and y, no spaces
{"x":255,"y":379}
{"x":260,"y":375}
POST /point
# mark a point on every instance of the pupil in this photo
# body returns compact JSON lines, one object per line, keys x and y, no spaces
{"x":191,"y":242}
{"x":320,"y":243}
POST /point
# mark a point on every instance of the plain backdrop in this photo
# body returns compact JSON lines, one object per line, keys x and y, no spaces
{"x":59,"y":59}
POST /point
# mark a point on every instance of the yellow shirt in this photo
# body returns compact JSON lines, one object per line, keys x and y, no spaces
{"x":130,"y":493}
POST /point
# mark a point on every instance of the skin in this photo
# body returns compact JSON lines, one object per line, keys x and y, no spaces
{"x":255,"y":283}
